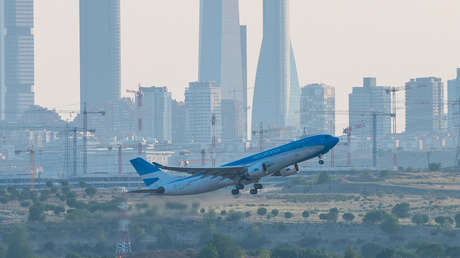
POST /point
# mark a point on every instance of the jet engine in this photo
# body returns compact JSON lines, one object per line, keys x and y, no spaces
{"x":288,"y":171}
{"x":257,"y":170}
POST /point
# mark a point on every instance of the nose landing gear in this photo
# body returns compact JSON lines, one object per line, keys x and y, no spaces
{"x":321,"y":161}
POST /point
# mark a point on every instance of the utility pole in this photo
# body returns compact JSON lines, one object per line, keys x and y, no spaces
{"x":120,"y":159}
{"x":85,"y":135}
{"x":374,"y":140}
{"x":74,"y":150}
{"x":213,"y":124}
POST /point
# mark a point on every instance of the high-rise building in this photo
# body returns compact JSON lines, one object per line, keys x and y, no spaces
{"x":453,"y":104}
{"x":203,"y":112}
{"x":16,"y":58}
{"x":424,"y":105}
{"x":221,"y":56}
{"x":362,"y":102}
{"x":156,"y":113}
{"x":317,"y":109}
{"x":178,"y":122}
{"x":277,"y":92}
{"x":99,"y":53}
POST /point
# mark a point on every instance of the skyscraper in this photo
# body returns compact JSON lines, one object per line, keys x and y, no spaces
{"x":202,"y":103}
{"x":156,"y":113}
{"x":277,"y":92}
{"x":453,"y":96}
{"x":99,"y":52}
{"x":317,"y":109}
{"x":16,"y":57}
{"x":424,"y":105}
{"x":365,"y":100}
{"x":220,"y":57}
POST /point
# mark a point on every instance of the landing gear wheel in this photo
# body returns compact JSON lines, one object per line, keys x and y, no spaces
{"x":240,"y":186}
{"x":321,"y":162}
{"x":235,"y":191}
{"x":258,"y":186}
{"x":253,"y":191}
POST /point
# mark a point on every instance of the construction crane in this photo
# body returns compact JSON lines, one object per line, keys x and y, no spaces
{"x":261,"y":132}
{"x":138,"y":95}
{"x":348,"y":131}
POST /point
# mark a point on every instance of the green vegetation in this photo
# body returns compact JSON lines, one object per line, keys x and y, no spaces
{"x":310,"y":198}
{"x":401,"y":210}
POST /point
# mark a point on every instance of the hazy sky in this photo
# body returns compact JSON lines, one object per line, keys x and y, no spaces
{"x":335,"y":41}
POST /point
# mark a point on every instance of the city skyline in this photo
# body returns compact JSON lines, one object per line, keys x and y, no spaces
{"x":353,"y":44}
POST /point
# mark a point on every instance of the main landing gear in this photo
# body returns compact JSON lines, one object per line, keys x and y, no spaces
{"x":321,"y":161}
{"x":256,"y":188}
{"x":238,"y":187}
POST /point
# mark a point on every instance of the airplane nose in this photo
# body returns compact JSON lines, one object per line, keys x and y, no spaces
{"x":332,"y":142}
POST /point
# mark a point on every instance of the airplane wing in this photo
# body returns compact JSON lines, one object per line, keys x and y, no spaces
{"x":228,"y":172}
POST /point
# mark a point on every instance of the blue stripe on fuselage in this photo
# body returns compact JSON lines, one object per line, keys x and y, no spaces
{"x":302,"y":143}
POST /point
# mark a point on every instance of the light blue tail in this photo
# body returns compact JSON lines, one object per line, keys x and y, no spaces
{"x":150,"y":174}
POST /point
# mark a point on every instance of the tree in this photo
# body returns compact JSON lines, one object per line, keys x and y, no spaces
{"x":225,"y":247}
{"x":37,"y":212}
{"x":420,"y":219}
{"x":90,"y":191}
{"x":18,"y":244}
{"x":333,"y":215}
{"x":262,"y":211}
{"x":350,"y":253}
{"x":305,"y":214}
{"x":323,"y":178}
{"x":348,"y":217}
{"x":401,"y":210}
{"x":444,"y":221}
{"x":374,"y":217}
{"x":430,"y":250}
{"x":209,"y":251}
{"x":457,"y":220}
{"x":390,"y":225}
{"x":288,"y":215}
{"x":49,"y":184}
{"x":371,"y":249}
{"x":275,"y":212}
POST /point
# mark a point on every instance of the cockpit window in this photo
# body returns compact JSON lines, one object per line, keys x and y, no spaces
{"x":327,"y":136}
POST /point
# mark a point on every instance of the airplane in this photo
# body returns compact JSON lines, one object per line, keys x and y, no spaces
{"x":279,"y":161}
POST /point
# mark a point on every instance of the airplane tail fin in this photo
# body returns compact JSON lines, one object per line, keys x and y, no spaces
{"x":150,"y":174}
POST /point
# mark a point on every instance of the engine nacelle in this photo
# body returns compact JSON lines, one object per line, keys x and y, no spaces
{"x":288,"y":171}
{"x":257,"y":170}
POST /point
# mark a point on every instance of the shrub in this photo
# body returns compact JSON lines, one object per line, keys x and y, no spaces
{"x":420,"y":219}
{"x":401,"y":210}
{"x":390,"y":225}
{"x":176,"y":206}
{"x":348,"y":217}
{"x":374,"y":217}
{"x":305,"y":214}
{"x":275,"y":212}
{"x":444,"y":221}
{"x":457,"y":220}
{"x":288,"y":215}
{"x":262,"y":211}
